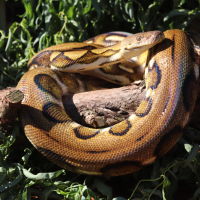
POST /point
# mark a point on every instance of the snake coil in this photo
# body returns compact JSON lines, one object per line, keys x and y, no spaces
{"x":123,"y":148}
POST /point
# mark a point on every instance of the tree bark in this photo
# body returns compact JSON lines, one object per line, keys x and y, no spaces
{"x":98,"y":108}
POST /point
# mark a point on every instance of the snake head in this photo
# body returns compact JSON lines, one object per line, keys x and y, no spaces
{"x":137,"y":43}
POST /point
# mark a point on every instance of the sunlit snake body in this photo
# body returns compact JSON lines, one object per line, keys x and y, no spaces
{"x":123,"y":148}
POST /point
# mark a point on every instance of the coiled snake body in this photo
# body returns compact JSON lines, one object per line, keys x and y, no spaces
{"x":123,"y":148}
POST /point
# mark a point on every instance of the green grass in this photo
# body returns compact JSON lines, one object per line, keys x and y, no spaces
{"x":24,"y":173}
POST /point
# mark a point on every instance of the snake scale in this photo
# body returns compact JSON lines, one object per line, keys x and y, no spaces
{"x":155,"y":127}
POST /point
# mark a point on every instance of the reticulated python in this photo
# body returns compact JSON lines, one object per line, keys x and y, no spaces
{"x":150,"y":132}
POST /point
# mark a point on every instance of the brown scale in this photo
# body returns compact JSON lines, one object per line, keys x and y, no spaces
{"x":88,"y":57}
{"x":61,"y":61}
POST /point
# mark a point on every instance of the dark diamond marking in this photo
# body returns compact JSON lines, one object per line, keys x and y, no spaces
{"x":37,"y":80}
{"x":84,"y":137}
{"x":150,"y":102}
{"x":123,"y":132}
{"x":158,"y":71}
{"x":46,"y":113}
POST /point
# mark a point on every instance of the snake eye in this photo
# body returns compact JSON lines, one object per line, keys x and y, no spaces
{"x":138,"y":38}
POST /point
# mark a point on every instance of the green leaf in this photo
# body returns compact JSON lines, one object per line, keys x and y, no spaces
{"x":119,"y":198}
{"x":176,"y":12}
{"x":42,"y":176}
{"x":70,"y":12}
{"x":2,"y":39}
{"x":188,"y":147}
{"x":11,"y":183}
{"x":103,"y":188}
{"x":25,"y":158}
{"x":87,"y":7}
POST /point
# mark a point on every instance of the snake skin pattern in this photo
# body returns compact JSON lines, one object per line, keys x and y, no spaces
{"x":123,"y":148}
